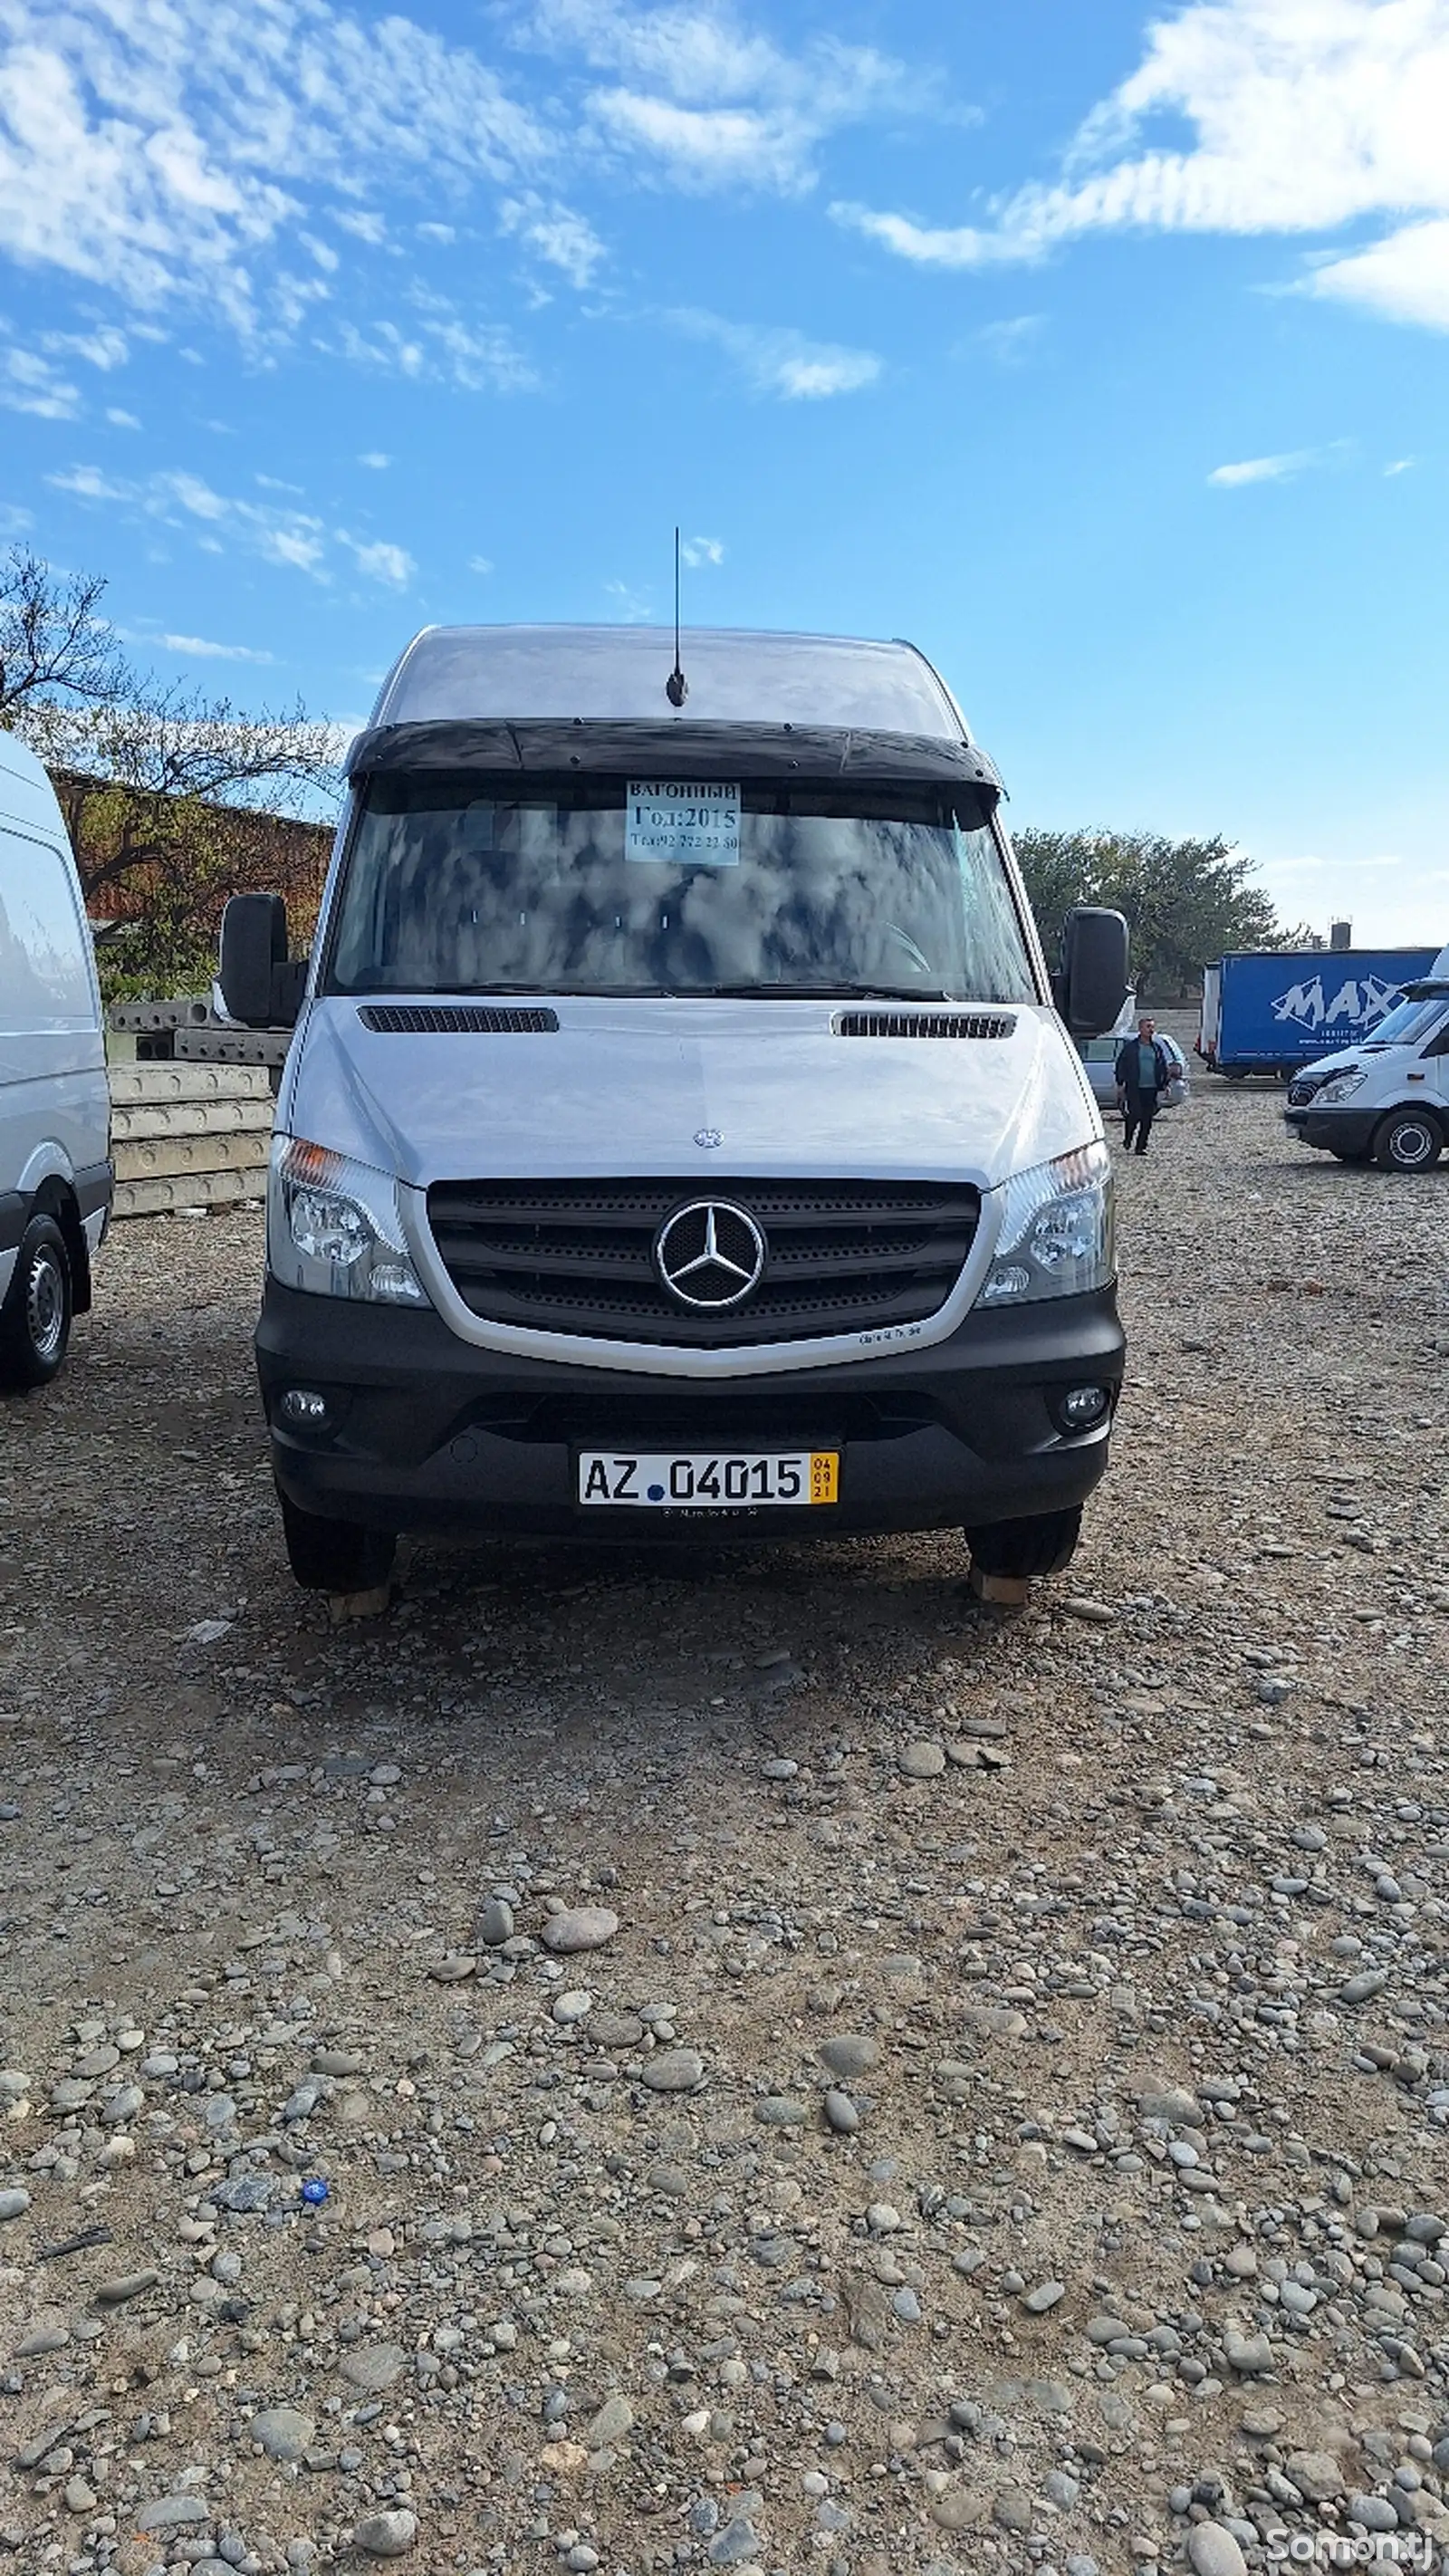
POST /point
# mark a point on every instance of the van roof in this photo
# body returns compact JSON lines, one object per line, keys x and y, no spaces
{"x":616,"y":674}
{"x":26,"y":794}
{"x":20,"y":760}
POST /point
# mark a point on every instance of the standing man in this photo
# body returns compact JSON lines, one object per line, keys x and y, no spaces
{"x":1143,"y":1074}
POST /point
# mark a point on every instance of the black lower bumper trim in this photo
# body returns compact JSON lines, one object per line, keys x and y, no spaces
{"x":424,"y":1431}
{"x":1334,"y":1131}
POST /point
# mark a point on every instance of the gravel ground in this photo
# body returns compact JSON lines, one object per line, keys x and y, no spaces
{"x":807,"y":2074}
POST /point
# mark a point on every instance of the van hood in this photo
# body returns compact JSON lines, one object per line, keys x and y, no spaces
{"x":706,"y":1087}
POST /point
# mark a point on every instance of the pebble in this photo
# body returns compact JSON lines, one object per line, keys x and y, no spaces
{"x":1049,"y":2295}
{"x":841,"y":2113}
{"x":129,"y":2285}
{"x":493,"y":1924}
{"x":614,"y":2419}
{"x":14,"y":2204}
{"x":849,"y":2054}
{"x":1212,"y":2551}
{"x":283,"y":2433}
{"x":373,"y":2367}
{"x":172,"y":2513}
{"x":1374,"y":2512}
{"x":1249,"y":2355}
{"x":674,"y":2070}
{"x":923,"y":1761}
{"x":579,"y":1927}
{"x":387,"y":2535}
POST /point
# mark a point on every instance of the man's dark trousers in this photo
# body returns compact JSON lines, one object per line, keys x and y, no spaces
{"x":1137,"y":1119}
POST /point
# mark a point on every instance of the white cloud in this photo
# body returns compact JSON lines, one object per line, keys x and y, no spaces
{"x":480,"y":563}
{"x":365,"y":225}
{"x":555,"y":234}
{"x":632,"y":607}
{"x":1267,"y":469}
{"x":698,"y":551}
{"x":1306,"y":116}
{"x":122,"y":419}
{"x":1405,"y":277}
{"x":1011,"y":340}
{"x":704,"y":102}
{"x":932,"y":245}
{"x":31,"y":382}
{"x":1401,"y":465}
{"x":164,"y":151}
{"x":784,"y":363}
{"x":380,"y":561}
{"x":477,"y":358}
{"x":200,"y":649}
{"x":375,"y":461}
{"x":104,"y":348}
{"x":181,"y":499}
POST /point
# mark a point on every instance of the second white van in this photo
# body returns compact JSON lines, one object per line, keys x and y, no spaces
{"x":55,"y":1164}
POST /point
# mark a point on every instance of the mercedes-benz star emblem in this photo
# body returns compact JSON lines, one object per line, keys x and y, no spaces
{"x":710,"y":1254}
{"x":707,"y":1137}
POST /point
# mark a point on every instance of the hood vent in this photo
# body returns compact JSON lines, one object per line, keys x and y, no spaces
{"x":456,"y":1019}
{"x":921,"y":1024}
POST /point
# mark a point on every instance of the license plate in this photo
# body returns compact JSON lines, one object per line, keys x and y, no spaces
{"x":704,"y":1480}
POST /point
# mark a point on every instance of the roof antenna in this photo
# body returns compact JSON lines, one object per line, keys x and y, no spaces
{"x":676,"y":687}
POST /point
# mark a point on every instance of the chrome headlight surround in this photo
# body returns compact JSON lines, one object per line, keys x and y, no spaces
{"x":1058,"y":1235}
{"x":335,"y":1229}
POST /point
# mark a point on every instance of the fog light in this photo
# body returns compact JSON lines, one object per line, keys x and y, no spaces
{"x":303,"y":1404}
{"x":1082,"y":1407}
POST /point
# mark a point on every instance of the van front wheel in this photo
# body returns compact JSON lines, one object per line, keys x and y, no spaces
{"x":1022,"y":1550}
{"x":335,"y":1556}
{"x":35,"y":1318}
{"x":1410,"y":1140}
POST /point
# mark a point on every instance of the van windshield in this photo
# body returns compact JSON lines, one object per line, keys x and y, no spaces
{"x":464,"y":885}
{"x":1408,"y":1024}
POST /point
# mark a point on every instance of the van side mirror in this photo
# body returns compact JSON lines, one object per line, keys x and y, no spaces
{"x":1091,"y":987}
{"x":260,"y":986}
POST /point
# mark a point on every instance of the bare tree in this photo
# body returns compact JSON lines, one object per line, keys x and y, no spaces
{"x":173,"y":800}
{"x":54,"y":644}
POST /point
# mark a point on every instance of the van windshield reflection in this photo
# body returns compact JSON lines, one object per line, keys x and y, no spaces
{"x":457,"y":885}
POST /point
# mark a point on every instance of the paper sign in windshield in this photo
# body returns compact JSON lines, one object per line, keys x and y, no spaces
{"x":683,"y":820}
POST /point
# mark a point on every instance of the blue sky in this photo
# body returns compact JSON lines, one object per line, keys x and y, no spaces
{"x":1102,"y":351}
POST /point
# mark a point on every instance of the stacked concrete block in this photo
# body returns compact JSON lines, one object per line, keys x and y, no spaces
{"x":188,"y":1135}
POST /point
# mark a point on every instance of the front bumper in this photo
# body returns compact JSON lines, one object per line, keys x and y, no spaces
{"x":428,"y":1432}
{"x":1333,"y":1131}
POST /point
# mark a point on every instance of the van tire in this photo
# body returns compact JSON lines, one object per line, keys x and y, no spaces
{"x":1410,"y":1140}
{"x":335,"y":1556}
{"x":1023,"y":1550}
{"x":35,"y":1319}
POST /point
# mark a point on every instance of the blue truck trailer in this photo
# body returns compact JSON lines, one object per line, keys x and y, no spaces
{"x":1270,"y":1010}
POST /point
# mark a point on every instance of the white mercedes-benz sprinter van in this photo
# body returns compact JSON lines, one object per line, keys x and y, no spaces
{"x":55,"y":1167}
{"x":682,"y":1136}
{"x":1385,"y":1100}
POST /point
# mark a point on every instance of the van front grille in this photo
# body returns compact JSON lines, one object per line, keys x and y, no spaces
{"x":923,"y":1024}
{"x":578,"y":1256}
{"x":456,"y":1019}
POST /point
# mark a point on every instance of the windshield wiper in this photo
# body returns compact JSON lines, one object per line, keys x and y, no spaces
{"x":823,"y":992}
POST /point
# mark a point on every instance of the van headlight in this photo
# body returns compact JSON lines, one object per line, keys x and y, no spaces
{"x":334,"y":1227}
{"x":1340,"y":1086}
{"x":1057,"y":1233}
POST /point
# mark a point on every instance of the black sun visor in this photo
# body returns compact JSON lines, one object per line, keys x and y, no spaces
{"x":674,"y":750}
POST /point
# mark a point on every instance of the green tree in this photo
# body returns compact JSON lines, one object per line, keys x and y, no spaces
{"x":1186,"y":902}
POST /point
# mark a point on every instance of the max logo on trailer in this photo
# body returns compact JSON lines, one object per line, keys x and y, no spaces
{"x":1359,"y":1003}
